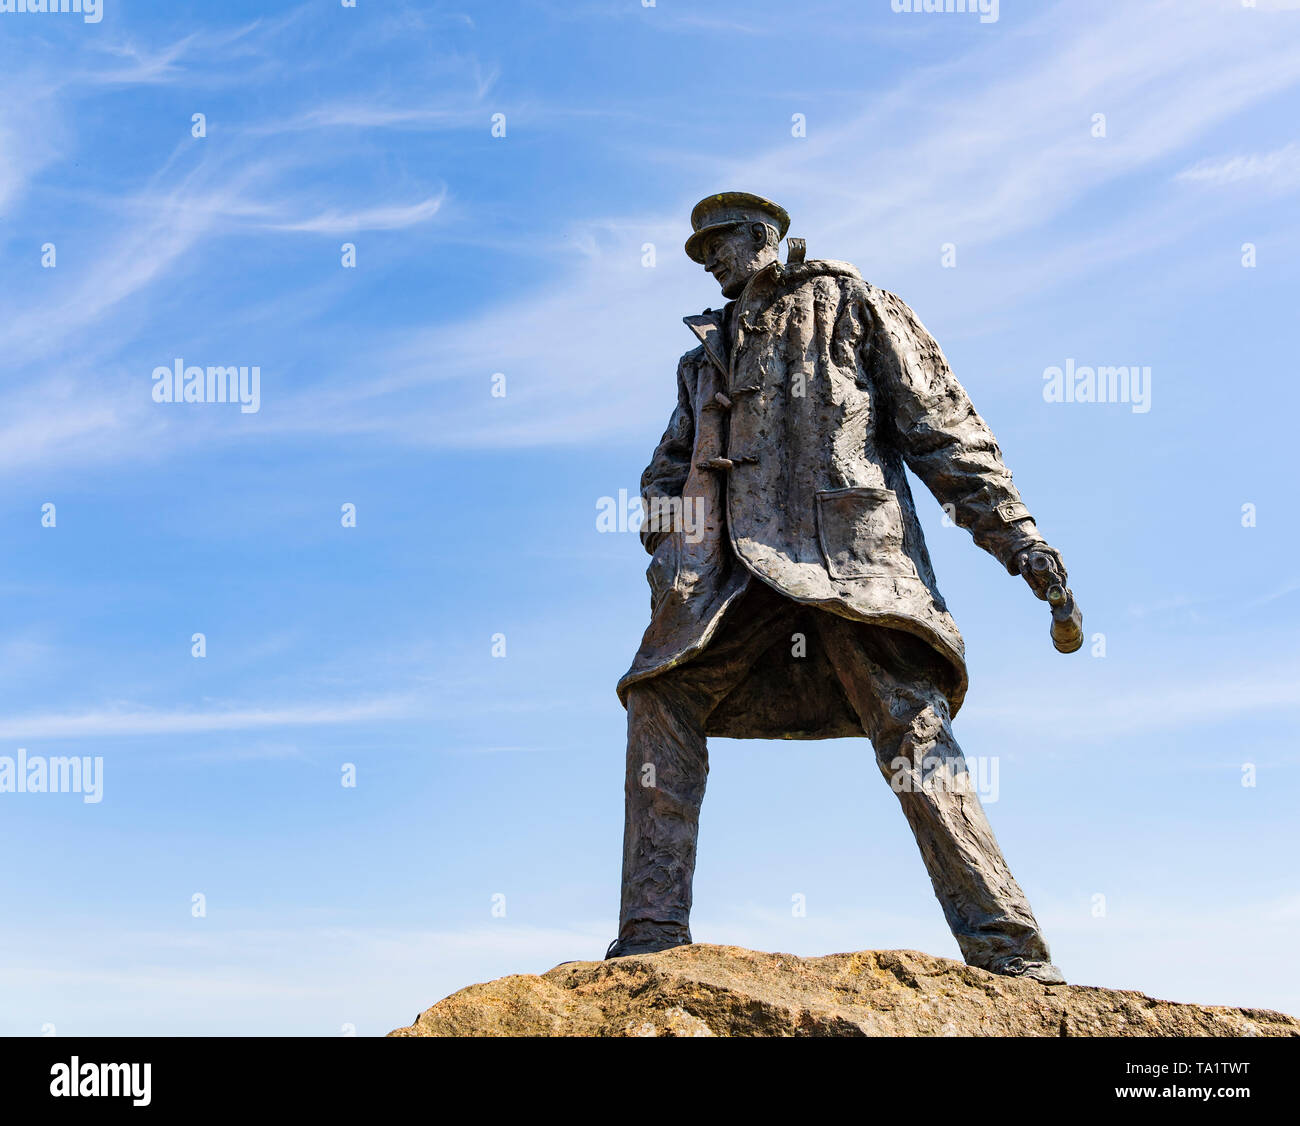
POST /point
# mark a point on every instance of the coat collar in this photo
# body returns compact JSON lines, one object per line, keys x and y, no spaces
{"x":707,"y":326}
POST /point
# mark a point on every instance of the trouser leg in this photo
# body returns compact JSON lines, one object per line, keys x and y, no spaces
{"x":667,"y":766}
{"x":893,"y":684}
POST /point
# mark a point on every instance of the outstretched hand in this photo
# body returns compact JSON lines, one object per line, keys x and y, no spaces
{"x":1041,"y":566}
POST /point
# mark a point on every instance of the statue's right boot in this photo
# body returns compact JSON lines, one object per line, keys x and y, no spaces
{"x":1040,"y":971}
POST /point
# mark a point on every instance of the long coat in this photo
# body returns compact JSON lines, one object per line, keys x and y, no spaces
{"x":791,"y":441}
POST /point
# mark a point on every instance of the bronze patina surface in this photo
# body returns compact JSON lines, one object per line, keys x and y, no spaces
{"x":801,"y":602}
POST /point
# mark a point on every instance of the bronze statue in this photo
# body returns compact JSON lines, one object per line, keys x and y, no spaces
{"x":804,"y":605}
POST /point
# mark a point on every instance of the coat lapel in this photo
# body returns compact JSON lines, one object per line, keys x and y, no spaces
{"x":708,"y":327}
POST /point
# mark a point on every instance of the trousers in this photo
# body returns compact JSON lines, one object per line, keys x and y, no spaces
{"x":894,"y":684}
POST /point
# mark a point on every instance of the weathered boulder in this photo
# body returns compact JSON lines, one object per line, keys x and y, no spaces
{"x":704,"y":990}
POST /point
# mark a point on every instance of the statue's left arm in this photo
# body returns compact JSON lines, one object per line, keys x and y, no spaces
{"x":944,"y":441}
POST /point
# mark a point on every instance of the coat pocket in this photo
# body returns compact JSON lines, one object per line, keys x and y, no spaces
{"x":662,"y":572}
{"x":861,"y":533}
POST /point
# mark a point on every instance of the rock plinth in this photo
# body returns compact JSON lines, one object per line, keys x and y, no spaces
{"x":704,"y":990}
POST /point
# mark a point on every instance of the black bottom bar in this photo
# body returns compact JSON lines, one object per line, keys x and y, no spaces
{"x":351,"y":1074}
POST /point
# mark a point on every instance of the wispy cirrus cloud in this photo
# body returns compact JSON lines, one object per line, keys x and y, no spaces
{"x":1275,"y":170}
{"x":949,"y":155}
{"x":393,"y":217}
{"x":377,"y":115}
{"x":142,"y":227}
{"x":128,"y":721}
{"x":946,"y":156}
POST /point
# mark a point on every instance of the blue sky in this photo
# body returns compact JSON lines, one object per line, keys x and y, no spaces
{"x":1119,"y":775}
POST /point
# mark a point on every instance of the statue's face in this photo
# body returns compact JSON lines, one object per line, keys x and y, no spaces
{"x":735,"y":254}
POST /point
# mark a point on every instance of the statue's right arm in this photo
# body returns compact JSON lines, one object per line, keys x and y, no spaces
{"x":665,"y":476}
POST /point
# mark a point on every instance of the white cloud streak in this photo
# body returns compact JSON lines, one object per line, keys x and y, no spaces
{"x":113,"y":723}
{"x":949,"y":156}
{"x":1279,"y":169}
{"x":388,"y":218}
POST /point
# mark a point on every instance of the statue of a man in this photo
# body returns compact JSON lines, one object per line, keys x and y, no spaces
{"x":792,"y":594}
